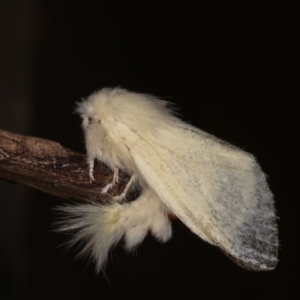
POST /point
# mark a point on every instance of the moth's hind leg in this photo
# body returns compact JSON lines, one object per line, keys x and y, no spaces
{"x":114,"y":181}
{"x":120,"y":197}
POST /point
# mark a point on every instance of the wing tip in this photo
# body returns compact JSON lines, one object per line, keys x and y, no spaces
{"x":266,"y":264}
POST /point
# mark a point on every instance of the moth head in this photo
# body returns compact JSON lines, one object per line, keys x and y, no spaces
{"x":89,"y":112}
{"x":136,"y":111}
{"x":88,"y":121}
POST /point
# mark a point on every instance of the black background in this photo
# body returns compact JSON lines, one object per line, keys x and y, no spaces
{"x":225,"y":67}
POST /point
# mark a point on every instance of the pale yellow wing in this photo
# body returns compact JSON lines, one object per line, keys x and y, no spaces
{"x":217,"y":190}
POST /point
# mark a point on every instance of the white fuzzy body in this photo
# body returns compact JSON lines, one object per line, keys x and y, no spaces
{"x":217,"y":190}
{"x":101,"y":227}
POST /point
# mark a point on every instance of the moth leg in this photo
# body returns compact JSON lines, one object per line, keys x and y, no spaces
{"x":120,"y":197}
{"x":91,"y":169}
{"x":116,"y":175}
{"x":114,"y":181}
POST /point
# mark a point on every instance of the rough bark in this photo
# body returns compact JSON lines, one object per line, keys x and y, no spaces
{"x":47,"y":166}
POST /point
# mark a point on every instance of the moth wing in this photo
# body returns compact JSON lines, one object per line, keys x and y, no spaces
{"x":216,"y":189}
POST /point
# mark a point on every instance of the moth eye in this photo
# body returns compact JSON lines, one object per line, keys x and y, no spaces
{"x":90,"y":120}
{"x":99,"y":121}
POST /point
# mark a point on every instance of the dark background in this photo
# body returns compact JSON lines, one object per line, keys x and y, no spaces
{"x":225,"y":67}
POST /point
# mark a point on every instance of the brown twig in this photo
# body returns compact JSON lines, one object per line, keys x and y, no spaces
{"x":53,"y":169}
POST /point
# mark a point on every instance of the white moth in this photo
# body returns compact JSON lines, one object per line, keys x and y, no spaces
{"x":216,"y":189}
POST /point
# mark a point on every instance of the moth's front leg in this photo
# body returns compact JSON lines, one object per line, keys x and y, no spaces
{"x":91,"y":169}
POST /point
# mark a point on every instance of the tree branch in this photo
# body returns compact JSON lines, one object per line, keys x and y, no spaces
{"x":53,"y":169}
